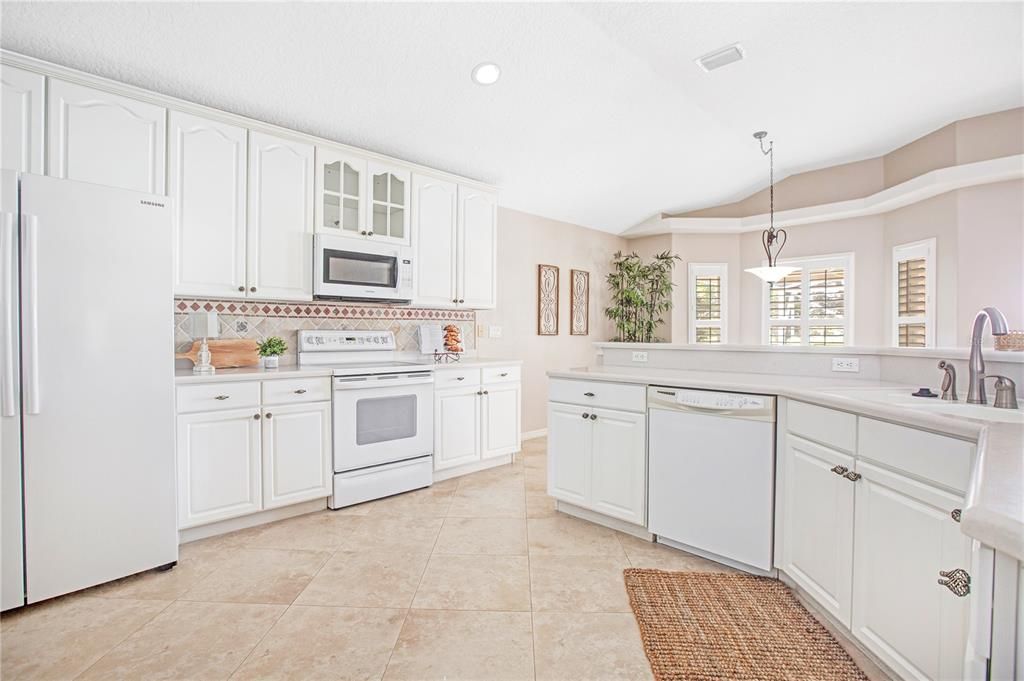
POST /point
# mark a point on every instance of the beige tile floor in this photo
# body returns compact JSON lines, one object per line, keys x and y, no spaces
{"x":476,"y":578}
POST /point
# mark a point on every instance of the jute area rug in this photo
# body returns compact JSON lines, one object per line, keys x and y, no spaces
{"x":703,"y":626}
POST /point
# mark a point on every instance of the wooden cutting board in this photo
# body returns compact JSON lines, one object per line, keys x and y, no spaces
{"x":235,"y":352}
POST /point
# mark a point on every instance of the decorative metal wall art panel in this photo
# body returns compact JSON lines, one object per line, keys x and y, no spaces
{"x":579,"y":302}
{"x":547,"y":300}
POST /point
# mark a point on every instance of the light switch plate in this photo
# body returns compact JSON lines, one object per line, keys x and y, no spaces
{"x":480,"y":330}
{"x":494,"y":331}
{"x":639,"y":356}
{"x":851,"y":364}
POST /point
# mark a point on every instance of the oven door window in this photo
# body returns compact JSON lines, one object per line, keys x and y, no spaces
{"x":360,"y":269}
{"x":384,"y":419}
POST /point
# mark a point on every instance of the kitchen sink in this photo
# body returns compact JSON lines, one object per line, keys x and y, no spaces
{"x":901,"y":397}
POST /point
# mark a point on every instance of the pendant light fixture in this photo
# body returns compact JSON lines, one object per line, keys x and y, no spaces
{"x":772,"y":239}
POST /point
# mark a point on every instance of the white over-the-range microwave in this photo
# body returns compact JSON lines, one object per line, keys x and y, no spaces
{"x":350,"y":269}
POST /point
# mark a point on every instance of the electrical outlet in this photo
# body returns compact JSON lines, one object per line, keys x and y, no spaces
{"x":480,"y":329}
{"x":494,"y":331}
{"x":639,"y":356}
{"x":845,"y":364}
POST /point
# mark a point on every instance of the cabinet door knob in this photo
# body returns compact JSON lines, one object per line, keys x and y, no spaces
{"x":363,"y":232}
{"x":462,"y":300}
{"x":300,"y":391}
{"x":252,"y":289}
{"x":221,"y":397}
{"x":593,"y":417}
{"x":486,"y":393}
{"x":852,"y":477}
{"x":479,"y":392}
{"x":588,"y":394}
{"x":586,"y":415}
{"x":958,"y":581}
{"x":241,"y":288}
{"x":955,"y":514}
{"x":256,"y":417}
{"x":270,"y":415}
{"x":839,"y":470}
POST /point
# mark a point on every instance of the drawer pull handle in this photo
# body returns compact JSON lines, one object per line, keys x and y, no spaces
{"x":958,"y":581}
{"x":460,"y":378}
{"x":852,"y":477}
{"x":586,"y":415}
{"x":593,"y":417}
{"x":588,"y":394}
{"x":839,"y":470}
{"x":955,"y":514}
{"x":256,"y":417}
{"x":222,"y":397}
{"x":300,"y":391}
{"x":504,"y":374}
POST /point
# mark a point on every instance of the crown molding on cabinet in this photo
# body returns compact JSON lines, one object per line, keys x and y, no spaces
{"x":918,"y":189}
{"x":70,"y":75}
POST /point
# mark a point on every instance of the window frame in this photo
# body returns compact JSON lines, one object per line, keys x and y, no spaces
{"x":805,"y":264}
{"x":703,"y":269}
{"x":925,"y":248}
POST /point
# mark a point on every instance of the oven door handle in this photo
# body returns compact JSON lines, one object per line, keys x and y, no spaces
{"x":375,"y":382}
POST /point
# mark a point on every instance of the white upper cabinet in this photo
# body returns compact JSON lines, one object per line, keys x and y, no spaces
{"x":21,"y":120}
{"x":98,"y":137}
{"x":340,"y":193}
{"x":206,"y":179}
{"x":388,"y":194}
{"x":280,"y":232}
{"x":477,"y":238}
{"x":434,"y":225}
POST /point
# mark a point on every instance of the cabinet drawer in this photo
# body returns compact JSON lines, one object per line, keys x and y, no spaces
{"x":598,"y":394}
{"x":456,"y":378}
{"x":294,"y":390}
{"x":836,"y":429}
{"x":941,"y":459}
{"x":500,"y":374}
{"x":216,"y":396}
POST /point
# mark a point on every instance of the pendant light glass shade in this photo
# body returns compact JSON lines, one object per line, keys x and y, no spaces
{"x":771,"y":274}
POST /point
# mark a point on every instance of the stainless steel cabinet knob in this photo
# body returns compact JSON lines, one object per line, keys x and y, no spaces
{"x":252,"y":289}
{"x":270,"y":415}
{"x":852,"y":477}
{"x":593,"y":417}
{"x":256,"y":417}
{"x":486,"y":393}
{"x":839,"y":470}
{"x":586,"y":416}
{"x":955,"y":514}
{"x":241,"y":288}
{"x":958,"y":581}
{"x":462,"y":300}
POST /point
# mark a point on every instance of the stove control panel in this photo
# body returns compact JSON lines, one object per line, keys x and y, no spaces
{"x":341,"y":340}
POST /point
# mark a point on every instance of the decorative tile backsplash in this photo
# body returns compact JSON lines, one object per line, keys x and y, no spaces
{"x":260,"y":320}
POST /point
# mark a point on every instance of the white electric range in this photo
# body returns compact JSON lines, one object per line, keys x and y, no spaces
{"x":383,"y":414}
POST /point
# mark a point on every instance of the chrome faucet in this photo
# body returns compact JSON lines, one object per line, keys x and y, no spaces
{"x":976,"y":377}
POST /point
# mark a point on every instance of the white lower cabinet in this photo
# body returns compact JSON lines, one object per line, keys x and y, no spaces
{"x":218,"y":466}
{"x":597,"y":457}
{"x":476,"y":420}
{"x":904,"y":535}
{"x":866,"y":533}
{"x":818,"y":517}
{"x":296,"y":453}
{"x":237,"y":461}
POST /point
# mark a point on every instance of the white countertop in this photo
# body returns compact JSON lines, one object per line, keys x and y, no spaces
{"x":994,"y":510}
{"x":257,"y":373}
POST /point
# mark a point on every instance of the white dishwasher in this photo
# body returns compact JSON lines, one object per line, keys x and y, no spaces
{"x":711,"y":473}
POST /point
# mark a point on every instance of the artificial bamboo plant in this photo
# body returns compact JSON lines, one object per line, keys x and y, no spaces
{"x":641,"y":294}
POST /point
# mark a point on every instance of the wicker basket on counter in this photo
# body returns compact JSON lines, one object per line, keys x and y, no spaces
{"x":1012,"y":341}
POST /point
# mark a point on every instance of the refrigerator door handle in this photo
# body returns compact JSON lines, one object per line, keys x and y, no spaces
{"x":30,"y":257}
{"x":10,"y":273}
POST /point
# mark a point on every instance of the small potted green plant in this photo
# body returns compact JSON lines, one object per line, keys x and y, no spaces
{"x":271,"y":350}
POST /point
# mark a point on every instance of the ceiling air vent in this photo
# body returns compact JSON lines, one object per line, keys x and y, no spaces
{"x":721,"y":57}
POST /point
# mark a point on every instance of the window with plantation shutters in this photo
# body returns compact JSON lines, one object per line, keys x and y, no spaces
{"x":708,"y":286}
{"x":811,"y":306}
{"x":913,"y":274}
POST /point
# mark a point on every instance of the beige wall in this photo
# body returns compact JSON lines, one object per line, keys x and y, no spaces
{"x":972,"y":139}
{"x":525,"y":241}
{"x":706,"y":249}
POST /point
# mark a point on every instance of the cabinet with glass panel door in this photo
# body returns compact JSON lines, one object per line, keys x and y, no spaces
{"x":340,"y":193}
{"x":388,"y":203}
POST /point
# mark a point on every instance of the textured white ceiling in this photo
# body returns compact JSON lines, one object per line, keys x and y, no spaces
{"x":600,"y":117}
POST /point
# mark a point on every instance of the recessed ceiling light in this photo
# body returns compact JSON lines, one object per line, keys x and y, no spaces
{"x":486,"y":73}
{"x":720,"y":57}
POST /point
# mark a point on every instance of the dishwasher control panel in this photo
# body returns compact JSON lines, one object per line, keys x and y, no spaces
{"x":710,"y":401}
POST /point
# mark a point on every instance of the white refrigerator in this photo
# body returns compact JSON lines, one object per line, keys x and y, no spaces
{"x":87,"y":473}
